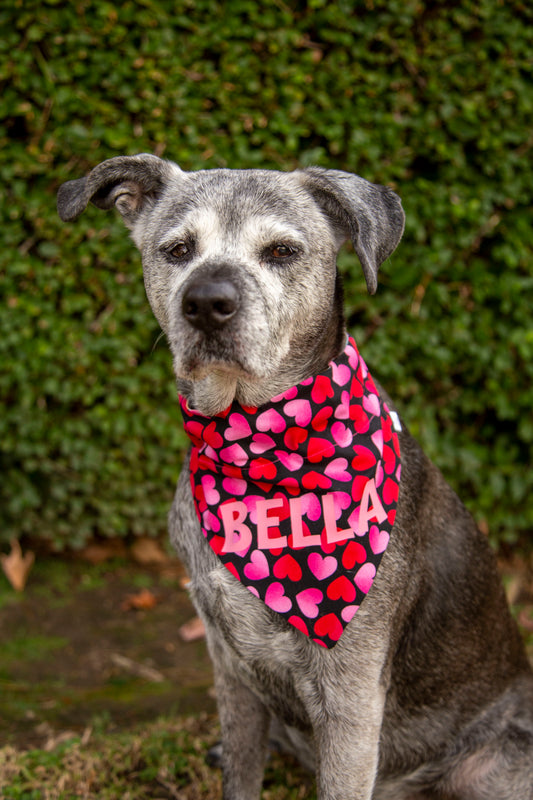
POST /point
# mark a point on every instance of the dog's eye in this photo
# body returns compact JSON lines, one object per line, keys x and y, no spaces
{"x":282,"y":251}
{"x":180,"y":250}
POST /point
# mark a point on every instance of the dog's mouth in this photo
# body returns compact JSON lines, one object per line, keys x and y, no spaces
{"x":203,"y":357}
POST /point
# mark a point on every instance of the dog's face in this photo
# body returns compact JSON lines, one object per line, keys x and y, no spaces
{"x":240,"y":265}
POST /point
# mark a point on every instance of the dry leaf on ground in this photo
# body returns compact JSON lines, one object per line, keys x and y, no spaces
{"x":192,"y":630}
{"x":143,"y":600}
{"x":16,"y":566}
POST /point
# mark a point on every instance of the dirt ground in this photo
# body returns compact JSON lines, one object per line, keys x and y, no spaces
{"x":96,"y":646}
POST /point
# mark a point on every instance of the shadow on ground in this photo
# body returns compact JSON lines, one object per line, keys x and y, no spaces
{"x":76,"y":654}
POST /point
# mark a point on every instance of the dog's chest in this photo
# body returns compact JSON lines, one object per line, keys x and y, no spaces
{"x":250,"y":640}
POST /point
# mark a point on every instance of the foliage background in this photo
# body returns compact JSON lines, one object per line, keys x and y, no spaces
{"x":432,"y":98}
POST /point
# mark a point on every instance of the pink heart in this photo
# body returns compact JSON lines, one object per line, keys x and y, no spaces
{"x":234,"y":454}
{"x":348,"y":612}
{"x":210,"y":522}
{"x":238,"y":427}
{"x":261,"y":443}
{"x":257,"y":568}
{"x":352,"y":356}
{"x":287,"y":395}
{"x":378,"y":539}
{"x":300,"y":410}
{"x":212,"y":497}
{"x":321,"y":567}
{"x":340,"y":373}
{"x":341,"y":501}
{"x":311,"y":506}
{"x":377,"y":439}
{"x":250,"y":501}
{"x":371,"y":404}
{"x":343,"y":409}
{"x":308,"y":601}
{"x":365,"y":577}
{"x":336,"y":470}
{"x":276,"y":598}
{"x":342,"y":435}
{"x":291,"y":461}
{"x":234,"y":486}
{"x":271,"y":420}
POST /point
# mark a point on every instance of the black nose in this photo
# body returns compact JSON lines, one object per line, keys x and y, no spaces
{"x":210,"y":304}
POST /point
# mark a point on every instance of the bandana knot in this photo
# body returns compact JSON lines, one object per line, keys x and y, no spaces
{"x":298,"y":497}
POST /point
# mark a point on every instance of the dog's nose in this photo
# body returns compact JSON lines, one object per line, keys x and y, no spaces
{"x":209,"y":305}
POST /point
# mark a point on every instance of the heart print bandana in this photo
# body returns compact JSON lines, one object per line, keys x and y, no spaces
{"x":298,"y":497}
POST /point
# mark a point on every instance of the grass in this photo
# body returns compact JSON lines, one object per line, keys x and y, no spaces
{"x":159,"y":761}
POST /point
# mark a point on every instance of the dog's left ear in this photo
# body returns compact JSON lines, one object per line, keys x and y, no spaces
{"x":130,"y":183}
{"x":371,"y":215}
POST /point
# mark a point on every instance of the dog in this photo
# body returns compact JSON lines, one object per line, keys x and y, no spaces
{"x":422,"y":689}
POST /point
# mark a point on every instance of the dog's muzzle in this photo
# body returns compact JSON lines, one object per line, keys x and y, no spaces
{"x":210,"y":303}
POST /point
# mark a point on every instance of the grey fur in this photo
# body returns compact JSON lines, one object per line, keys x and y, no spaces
{"x":428,"y":695}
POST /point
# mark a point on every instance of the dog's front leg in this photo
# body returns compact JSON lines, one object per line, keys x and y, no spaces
{"x":244,"y":721}
{"x":348,"y":751}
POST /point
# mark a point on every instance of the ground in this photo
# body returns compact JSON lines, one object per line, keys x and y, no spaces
{"x":101,"y":697}
{"x":77,"y":652}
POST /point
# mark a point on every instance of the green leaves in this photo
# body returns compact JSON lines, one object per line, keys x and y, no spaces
{"x":433,"y":101}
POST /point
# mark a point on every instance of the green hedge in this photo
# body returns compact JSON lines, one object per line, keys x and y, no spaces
{"x":432,"y":98}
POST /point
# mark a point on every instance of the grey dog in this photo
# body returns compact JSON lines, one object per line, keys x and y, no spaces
{"x":428,"y":695}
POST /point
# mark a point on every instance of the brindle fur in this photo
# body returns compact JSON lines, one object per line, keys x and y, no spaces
{"x":428,"y":695}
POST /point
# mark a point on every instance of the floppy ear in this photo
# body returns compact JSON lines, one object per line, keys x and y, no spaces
{"x":131,"y":183}
{"x":371,"y":215}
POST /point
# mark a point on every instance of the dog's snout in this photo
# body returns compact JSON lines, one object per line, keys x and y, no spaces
{"x":208,"y":305}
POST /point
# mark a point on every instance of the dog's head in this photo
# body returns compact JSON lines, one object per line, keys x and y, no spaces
{"x":240,"y":265}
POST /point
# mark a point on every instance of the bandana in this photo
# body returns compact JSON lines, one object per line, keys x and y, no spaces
{"x":298,"y":497}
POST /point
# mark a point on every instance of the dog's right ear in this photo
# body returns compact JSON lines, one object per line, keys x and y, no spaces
{"x":371,"y":215}
{"x":131,"y":183}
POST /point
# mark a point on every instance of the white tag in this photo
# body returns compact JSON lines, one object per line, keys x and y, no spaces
{"x":396,"y":424}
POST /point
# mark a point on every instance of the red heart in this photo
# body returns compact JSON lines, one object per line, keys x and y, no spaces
{"x":341,"y":587}
{"x":363,"y":459}
{"x":329,"y":626}
{"x":294,"y":437}
{"x":322,"y":388}
{"x":390,"y":491}
{"x":356,"y":388}
{"x":233,"y":569}
{"x":200,"y":497}
{"x":358,"y":485}
{"x":194,"y":431}
{"x":217,"y":543}
{"x":312,"y":480}
{"x":370,"y":386}
{"x":360,"y":418}
{"x":320,"y":420}
{"x":230,"y":471}
{"x":250,"y":409}
{"x":291,"y":485}
{"x":317,"y":449}
{"x":299,"y":623}
{"x":354,"y":553}
{"x":396,"y":445}
{"x":387,"y":429}
{"x":205,"y":463}
{"x":389,"y":459}
{"x":262,"y":468}
{"x":211,"y":436}
{"x":287,"y":567}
